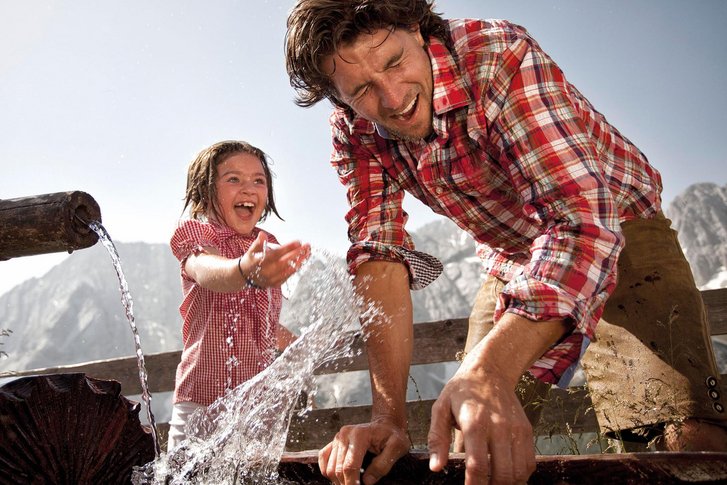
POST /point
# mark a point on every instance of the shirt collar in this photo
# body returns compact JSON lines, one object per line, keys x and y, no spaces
{"x":354,"y":122}
{"x":225,"y":232}
{"x":450,"y":88}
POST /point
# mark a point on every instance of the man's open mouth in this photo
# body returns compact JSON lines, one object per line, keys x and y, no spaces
{"x":409,"y":111}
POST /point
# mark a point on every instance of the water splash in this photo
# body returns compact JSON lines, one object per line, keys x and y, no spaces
{"x":128,"y":303}
{"x":241,"y":437}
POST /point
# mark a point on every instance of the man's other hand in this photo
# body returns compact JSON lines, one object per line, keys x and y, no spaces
{"x":340,"y":460}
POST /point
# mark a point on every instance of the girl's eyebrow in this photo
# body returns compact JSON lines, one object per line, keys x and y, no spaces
{"x":238,"y":172}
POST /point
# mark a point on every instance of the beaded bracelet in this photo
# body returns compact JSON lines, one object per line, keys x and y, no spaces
{"x":247,"y":279}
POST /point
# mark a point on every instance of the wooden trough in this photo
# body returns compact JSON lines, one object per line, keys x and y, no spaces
{"x":621,"y":469}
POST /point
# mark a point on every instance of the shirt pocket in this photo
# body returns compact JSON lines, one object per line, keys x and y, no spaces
{"x":467,"y":172}
{"x":467,"y":175}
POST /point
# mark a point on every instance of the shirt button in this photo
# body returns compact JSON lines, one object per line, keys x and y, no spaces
{"x":439,"y":190}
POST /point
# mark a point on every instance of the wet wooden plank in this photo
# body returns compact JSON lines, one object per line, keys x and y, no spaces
{"x":716,"y":303}
{"x":315,"y":429}
{"x":161,"y":369}
{"x":623,"y":468}
{"x":436,"y":342}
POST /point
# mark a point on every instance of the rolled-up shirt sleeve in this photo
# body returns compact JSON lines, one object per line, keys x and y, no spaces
{"x":376,"y":218}
{"x":191,"y":237}
{"x":553,"y":166}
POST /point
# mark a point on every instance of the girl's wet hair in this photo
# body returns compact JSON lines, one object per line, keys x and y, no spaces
{"x":201,"y":194}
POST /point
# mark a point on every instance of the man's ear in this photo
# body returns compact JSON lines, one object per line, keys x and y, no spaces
{"x":414,"y":29}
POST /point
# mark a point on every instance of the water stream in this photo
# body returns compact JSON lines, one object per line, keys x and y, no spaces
{"x":241,"y":437}
{"x":128,"y":303}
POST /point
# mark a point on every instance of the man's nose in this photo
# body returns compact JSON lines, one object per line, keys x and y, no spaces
{"x":390,"y":96}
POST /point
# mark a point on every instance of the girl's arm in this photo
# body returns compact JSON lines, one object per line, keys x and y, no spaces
{"x":214,"y":272}
{"x":265,"y":269}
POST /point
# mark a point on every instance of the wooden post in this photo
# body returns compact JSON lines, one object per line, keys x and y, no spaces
{"x":47,"y":223}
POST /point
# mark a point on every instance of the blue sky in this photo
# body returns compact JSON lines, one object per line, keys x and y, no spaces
{"x":115,"y":99}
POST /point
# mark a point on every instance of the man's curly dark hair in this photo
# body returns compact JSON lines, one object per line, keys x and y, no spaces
{"x":317,"y":27}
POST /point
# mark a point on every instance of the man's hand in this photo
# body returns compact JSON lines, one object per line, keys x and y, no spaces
{"x":340,"y":460}
{"x":389,"y":339}
{"x":492,"y":422}
{"x":480,"y":400}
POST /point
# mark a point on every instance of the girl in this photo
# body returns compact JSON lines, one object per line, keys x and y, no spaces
{"x":231,"y":330}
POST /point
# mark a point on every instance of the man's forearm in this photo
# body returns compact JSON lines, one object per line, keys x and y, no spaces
{"x":513,"y":345}
{"x":389,"y":336}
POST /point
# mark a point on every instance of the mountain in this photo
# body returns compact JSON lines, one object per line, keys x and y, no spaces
{"x":74,"y":313}
{"x":699,"y":215}
{"x":451,"y":295}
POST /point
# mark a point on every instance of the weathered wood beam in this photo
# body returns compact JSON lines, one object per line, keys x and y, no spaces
{"x":608,"y":468}
{"x":319,"y":426}
{"x":161,"y":368}
{"x":716,"y":303}
{"x":47,"y":223}
{"x":436,"y":342}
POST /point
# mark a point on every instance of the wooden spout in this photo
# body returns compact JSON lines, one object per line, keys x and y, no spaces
{"x":47,"y":223}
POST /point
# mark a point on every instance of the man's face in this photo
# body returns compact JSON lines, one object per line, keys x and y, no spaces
{"x":386,"y":77}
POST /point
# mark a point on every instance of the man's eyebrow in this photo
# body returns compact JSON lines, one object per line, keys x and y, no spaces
{"x":357,"y":89}
{"x":394,"y":59}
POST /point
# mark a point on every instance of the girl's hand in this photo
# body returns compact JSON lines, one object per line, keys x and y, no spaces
{"x":270,"y":265}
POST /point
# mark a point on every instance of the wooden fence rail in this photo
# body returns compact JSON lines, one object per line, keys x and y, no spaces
{"x":435,"y":342}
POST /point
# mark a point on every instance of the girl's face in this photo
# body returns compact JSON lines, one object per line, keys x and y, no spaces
{"x":242,"y":191}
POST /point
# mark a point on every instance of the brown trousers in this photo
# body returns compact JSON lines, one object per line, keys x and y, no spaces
{"x":651,"y":362}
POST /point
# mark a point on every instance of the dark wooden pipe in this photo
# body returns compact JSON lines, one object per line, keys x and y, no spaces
{"x":47,"y":223}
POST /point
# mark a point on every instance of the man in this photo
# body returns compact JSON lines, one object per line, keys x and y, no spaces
{"x":476,"y":121}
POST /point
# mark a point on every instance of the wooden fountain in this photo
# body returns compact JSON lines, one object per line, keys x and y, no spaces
{"x":63,"y":428}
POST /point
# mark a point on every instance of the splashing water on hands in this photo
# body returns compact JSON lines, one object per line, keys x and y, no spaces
{"x":241,"y":437}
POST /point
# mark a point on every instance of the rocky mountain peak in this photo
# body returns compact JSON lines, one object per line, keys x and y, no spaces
{"x":699,"y":215}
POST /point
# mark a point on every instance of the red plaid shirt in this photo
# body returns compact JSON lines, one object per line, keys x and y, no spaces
{"x":523,"y":163}
{"x":228,"y":337}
